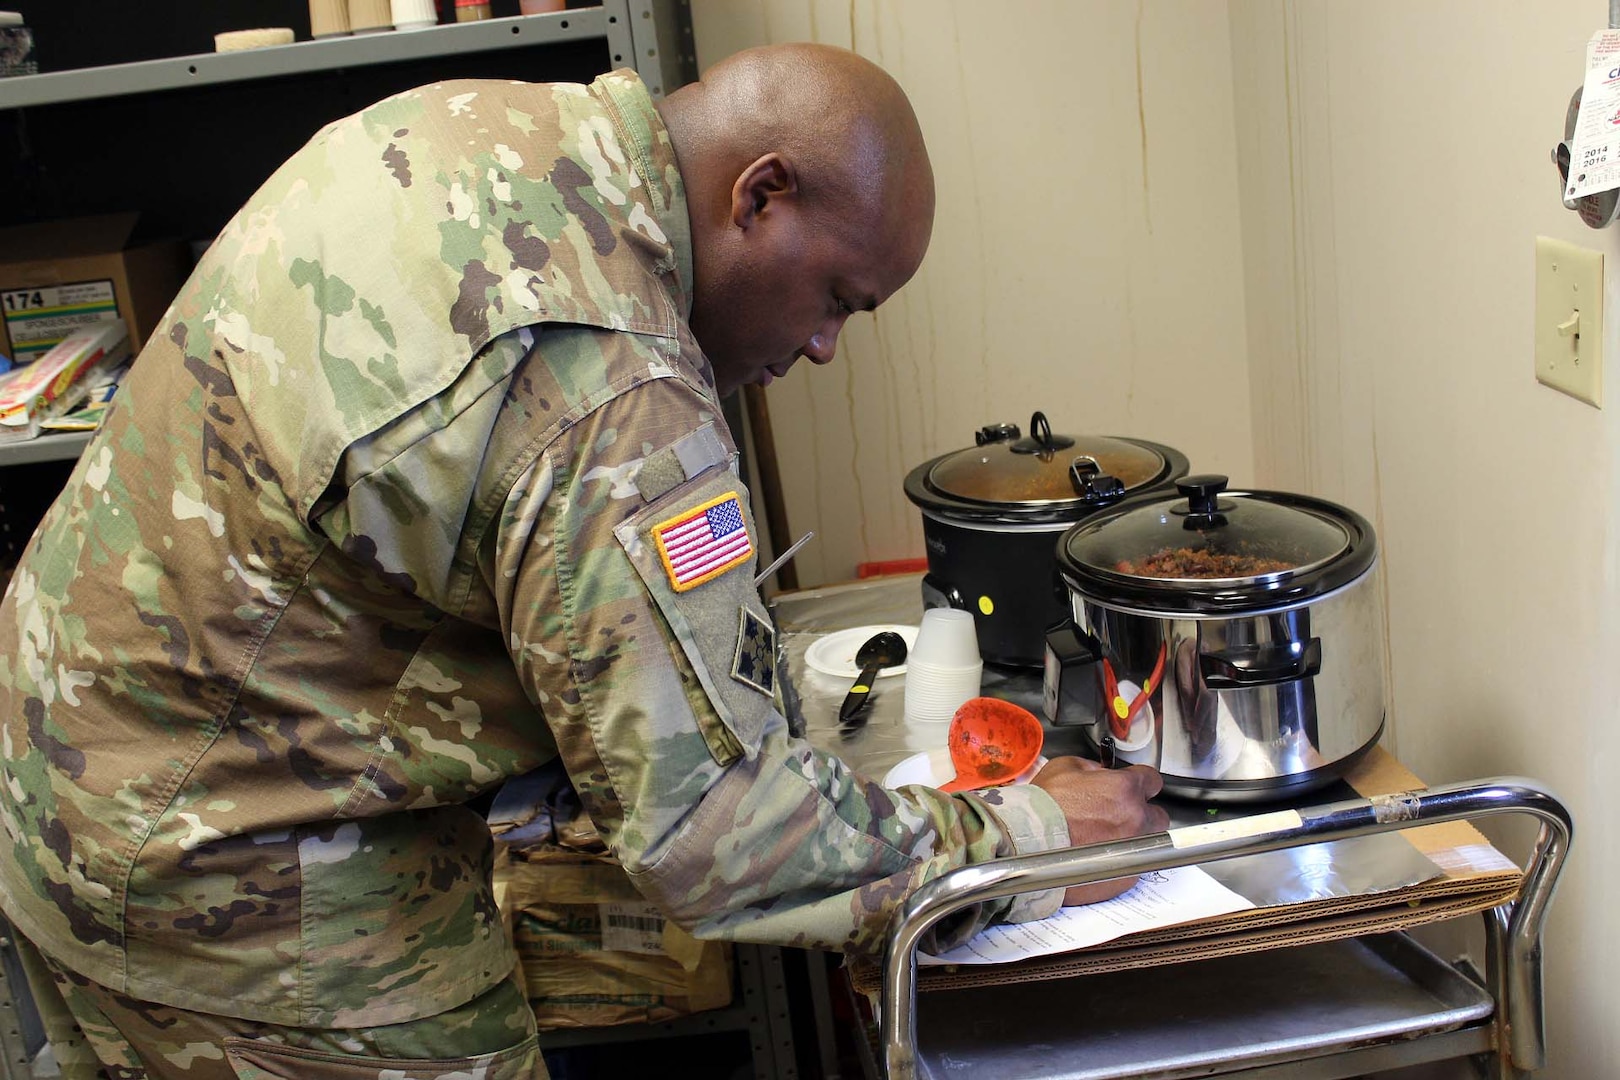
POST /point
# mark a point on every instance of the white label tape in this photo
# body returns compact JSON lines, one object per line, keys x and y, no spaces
{"x":1215,"y":831}
{"x":632,"y":928}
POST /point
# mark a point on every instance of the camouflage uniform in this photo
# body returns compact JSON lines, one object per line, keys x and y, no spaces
{"x":103,"y":1034}
{"x":392,"y":508}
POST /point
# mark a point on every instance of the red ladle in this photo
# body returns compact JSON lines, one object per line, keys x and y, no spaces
{"x":991,"y":742}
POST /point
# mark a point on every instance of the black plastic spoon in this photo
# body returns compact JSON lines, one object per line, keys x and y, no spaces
{"x":879,"y":651}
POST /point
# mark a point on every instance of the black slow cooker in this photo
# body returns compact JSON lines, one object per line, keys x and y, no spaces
{"x":993,"y":514}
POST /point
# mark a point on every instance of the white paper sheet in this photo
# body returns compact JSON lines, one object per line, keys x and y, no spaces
{"x":1160,"y":899}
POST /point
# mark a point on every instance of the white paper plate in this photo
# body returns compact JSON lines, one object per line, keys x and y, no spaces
{"x":931,"y":768}
{"x":835,"y":654}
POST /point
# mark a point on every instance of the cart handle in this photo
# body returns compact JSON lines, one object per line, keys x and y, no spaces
{"x":1214,"y":841}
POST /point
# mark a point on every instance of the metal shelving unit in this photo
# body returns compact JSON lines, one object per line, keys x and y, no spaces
{"x":652,"y":36}
{"x":64,"y":446}
{"x":308,"y":57}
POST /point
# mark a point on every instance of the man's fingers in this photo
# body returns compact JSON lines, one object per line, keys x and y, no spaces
{"x":1152,"y":782}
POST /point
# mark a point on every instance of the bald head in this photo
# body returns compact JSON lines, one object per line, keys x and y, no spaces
{"x":801,"y":163}
{"x":843,"y":120}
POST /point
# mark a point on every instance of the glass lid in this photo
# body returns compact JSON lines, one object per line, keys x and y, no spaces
{"x":1042,"y":467}
{"x":1209,"y":537}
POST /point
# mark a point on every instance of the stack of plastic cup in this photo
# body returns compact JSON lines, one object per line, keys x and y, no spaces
{"x":943,"y":668}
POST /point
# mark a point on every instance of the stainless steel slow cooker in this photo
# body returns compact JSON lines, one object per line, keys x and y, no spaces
{"x":1234,"y":640}
{"x":993,"y":513}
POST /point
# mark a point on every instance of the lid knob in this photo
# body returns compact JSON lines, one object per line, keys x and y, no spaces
{"x":1203,"y":492}
{"x":1041,"y":440}
{"x":994,"y":433}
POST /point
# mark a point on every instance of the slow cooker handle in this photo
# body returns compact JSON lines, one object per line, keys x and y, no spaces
{"x":1091,"y":483}
{"x":1260,"y":665}
{"x":941,"y":594}
{"x":995,"y":433}
{"x":1068,"y":648}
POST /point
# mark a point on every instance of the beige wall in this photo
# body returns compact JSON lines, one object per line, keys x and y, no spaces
{"x":1085,"y":260}
{"x":1318,"y":273}
{"x":1395,"y":174}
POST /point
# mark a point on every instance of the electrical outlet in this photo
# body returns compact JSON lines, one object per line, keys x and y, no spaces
{"x":1569,"y":319}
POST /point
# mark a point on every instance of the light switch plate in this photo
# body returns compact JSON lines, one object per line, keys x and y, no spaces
{"x":1569,"y":319}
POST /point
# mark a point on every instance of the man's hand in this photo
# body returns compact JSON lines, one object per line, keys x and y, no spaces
{"x":1102,"y":804}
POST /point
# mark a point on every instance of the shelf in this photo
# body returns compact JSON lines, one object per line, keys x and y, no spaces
{"x":63,"y":446}
{"x":304,"y":57}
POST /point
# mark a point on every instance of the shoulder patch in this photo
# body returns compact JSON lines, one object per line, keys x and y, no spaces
{"x":700,"y":544}
{"x":684,"y":459}
{"x":754,"y":661}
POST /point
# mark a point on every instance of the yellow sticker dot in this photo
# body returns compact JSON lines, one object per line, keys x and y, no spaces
{"x":1122,"y":707}
{"x":987,"y":605}
{"x":859,"y":689}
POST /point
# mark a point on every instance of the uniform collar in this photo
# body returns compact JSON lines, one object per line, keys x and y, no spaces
{"x":652,"y":154}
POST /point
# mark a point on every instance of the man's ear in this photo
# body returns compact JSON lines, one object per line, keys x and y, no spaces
{"x":766,"y":179}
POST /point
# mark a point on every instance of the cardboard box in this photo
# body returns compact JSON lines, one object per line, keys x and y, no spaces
{"x":58,"y":276}
{"x":593,"y":953}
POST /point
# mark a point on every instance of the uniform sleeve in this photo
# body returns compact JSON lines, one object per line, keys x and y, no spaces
{"x":624,"y":569}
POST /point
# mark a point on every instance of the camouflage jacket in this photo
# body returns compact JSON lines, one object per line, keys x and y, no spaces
{"x":422,"y":482}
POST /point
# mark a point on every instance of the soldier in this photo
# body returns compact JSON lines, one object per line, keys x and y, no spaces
{"x":422,"y":484}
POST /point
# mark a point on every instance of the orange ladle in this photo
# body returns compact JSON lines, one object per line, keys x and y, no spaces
{"x":991,"y":742}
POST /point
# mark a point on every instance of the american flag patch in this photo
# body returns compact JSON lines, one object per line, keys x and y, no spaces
{"x":704,"y":542}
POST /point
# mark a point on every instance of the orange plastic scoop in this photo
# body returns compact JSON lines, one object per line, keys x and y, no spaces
{"x":991,"y":742}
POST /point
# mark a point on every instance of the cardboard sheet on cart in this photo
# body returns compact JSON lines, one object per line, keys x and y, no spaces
{"x":1470,"y":875}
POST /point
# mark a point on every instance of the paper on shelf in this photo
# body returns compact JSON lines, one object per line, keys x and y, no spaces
{"x":1160,"y":899}
{"x":60,"y":379}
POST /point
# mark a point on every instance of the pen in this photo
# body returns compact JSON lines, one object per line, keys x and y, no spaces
{"x":759,"y":579}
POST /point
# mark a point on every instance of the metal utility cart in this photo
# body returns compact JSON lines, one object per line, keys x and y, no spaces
{"x":1238,"y":996}
{"x":1336,"y":1008}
